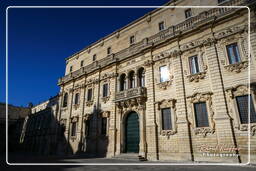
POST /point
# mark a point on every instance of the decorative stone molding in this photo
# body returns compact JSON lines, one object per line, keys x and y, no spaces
{"x":89,"y":103}
{"x":196,"y":77}
{"x":63,"y":122}
{"x":237,"y":67}
{"x":203,"y":131}
{"x":196,"y":98}
{"x":232,"y":93}
{"x":167,"y":103}
{"x":231,"y":31}
{"x":148,"y":63}
{"x":105,"y":99}
{"x":164,"y":85}
{"x":105,"y":114}
{"x":108,"y":76}
{"x":76,"y":106}
{"x":74,"y":119}
{"x":86,"y":117}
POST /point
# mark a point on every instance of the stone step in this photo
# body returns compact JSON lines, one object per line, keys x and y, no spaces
{"x":130,"y":156}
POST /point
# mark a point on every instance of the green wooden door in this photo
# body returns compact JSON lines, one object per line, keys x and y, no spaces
{"x":132,"y":133}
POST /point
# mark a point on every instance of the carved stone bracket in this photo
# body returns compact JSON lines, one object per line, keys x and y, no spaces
{"x":196,"y":77}
{"x":203,"y":131}
{"x":237,"y":67}
{"x":105,"y":99}
{"x":165,"y":84}
{"x":89,"y":103}
{"x":244,"y":127}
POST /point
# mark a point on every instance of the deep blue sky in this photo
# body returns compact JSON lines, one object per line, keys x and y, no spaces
{"x":41,"y":39}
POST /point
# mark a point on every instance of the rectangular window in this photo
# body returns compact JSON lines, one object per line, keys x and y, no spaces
{"x":193,"y":64}
{"x":166,"y":119}
{"x":233,"y":53}
{"x":89,"y":94}
{"x":242,"y":104}
{"x":73,"y":129}
{"x":201,"y":115}
{"x":105,"y":90}
{"x":109,"y":50}
{"x":132,"y":40}
{"x":164,"y":73}
{"x":161,"y":26}
{"x":94,"y":57}
{"x":104,"y":126}
{"x":82,"y":63}
{"x":188,"y":13}
{"x":70,"y":69}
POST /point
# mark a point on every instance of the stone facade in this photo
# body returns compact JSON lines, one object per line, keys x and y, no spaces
{"x":129,"y":62}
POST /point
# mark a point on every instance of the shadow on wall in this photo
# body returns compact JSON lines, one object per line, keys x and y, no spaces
{"x":44,"y":135}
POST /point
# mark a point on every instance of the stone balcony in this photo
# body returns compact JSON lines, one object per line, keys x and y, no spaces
{"x":132,"y":93}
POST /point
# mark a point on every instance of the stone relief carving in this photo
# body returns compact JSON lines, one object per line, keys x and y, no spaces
{"x":89,"y":103}
{"x":237,"y":67}
{"x":196,"y":98}
{"x":105,"y":114}
{"x":105,"y":99}
{"x":74,"y":119}
{"x":86,"y":117}
{"x":196,"y":77}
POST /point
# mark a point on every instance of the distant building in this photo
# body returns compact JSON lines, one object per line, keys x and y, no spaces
{"x":16,"y":117}
{"x":172,"y":85}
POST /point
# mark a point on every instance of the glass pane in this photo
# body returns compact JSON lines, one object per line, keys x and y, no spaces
{"x":166,"y":119}
{"x":193,"y":62}
{"x":242,"y":104}
{"x":201,"y":115}
{"x":233,"y":53}
{"x":164,"y":74}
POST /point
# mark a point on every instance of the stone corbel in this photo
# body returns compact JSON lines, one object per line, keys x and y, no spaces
{"x":89,"y":103}
{"x":105,"y":99}
{"x":196,"y":77}
{"x":203,"y":131}
{"x":237,"y":67}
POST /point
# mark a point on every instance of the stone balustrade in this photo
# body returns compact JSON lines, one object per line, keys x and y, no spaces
{"x":130,"y":93}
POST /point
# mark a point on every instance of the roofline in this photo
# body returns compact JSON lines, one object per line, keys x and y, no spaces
{"x":122,"y":28}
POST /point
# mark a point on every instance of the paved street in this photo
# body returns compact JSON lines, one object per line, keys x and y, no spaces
{"x":80,"y":160}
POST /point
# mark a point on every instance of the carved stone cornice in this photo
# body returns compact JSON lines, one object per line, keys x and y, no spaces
{"x":148,"y":63}
{"x":165,"y":103}
{"x":108,"y":76}
{"x":237,"y":67}
{"x":230,"y":31}
{"x":196,"y":77}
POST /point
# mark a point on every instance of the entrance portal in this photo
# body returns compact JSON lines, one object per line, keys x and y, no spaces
{"x":132,"y":133}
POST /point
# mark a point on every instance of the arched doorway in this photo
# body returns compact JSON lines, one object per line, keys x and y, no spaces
{"x":132,"y":133}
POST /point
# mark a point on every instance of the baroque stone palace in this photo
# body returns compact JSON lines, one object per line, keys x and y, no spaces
{"x":172,"y":85}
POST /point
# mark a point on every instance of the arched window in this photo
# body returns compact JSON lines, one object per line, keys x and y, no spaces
{"x":65,"y":100}
{"x":77,"y":98}
{"x":131,"y":79}
{"x":122,"y":82}
{"x":141,"y":77}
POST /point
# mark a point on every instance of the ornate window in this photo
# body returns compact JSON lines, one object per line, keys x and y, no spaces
{"x":94,"y":57}
{"x":167,"y":117}
{"x":109,"y":51}
{"x":132,"y":79}
{"x":73,"y":129}
{"x":81,"y":63}
{"x":233,"y":53}
{"x":239,"y":99}
{"x":193,"y":64}
{"x":65,"y":100}
{"x":161,"y":26}
{"x":105,"y":90}
{"x":242,"y":105}
{"x":164,"y":73}
{"x":141,"y":77}
{"x":201,"y":113}
{"x":89,"y":94}
{"x":76,"y":99}
{"x":132,"y":40}
{"x":188,"y":13}
{"x":103,"y":126}
{"x":70,"y":68}
{"x":122,"y":82}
